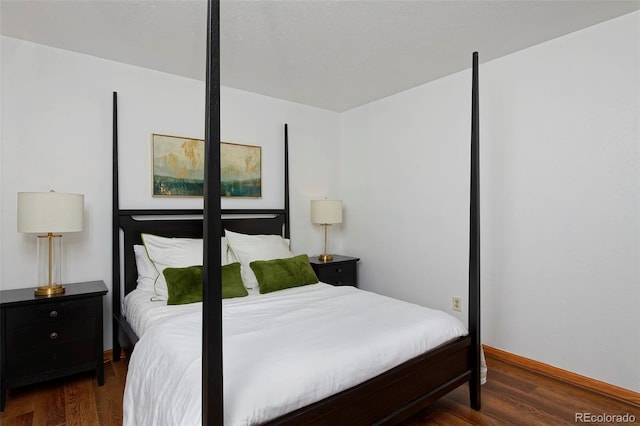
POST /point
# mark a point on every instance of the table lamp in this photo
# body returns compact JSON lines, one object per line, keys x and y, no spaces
{"x":50,"y":213}
{"x":326,"y":213}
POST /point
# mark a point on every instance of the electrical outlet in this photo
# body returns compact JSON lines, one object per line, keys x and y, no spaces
{"x":457,"y":304}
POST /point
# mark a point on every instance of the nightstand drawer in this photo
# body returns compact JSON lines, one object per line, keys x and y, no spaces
{"x":75,"y":310}
{"x":51,"y":358}
{"x":339,"y":274}
{"x":52,"y":334}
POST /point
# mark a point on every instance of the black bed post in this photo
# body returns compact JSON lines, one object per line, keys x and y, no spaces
{"x":287,"y":231}
{"x":474,"y":242}
{"x":212,"y":394}
{"x":115,"y":240}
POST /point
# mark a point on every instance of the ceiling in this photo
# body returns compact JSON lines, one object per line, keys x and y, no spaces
{"x":332,"y":54}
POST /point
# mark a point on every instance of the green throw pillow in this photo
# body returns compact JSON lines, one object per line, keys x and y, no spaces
{"x":278,"y":274}
{"x":184,"y":285}
{"x":232,"y":285}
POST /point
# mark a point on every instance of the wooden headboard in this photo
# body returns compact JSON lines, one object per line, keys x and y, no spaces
{"x":189,"y":224}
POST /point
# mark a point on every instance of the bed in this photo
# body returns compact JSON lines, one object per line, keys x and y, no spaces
{"x":371,"y":353}
{"x":389,"y":393}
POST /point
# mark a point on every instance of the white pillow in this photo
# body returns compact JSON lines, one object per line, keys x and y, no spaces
{"x":227,"y":255}
{"x":171,"y":253}
{"x":146,"y":271}
{"x":167,"y":252}
{"x":247,"y":248}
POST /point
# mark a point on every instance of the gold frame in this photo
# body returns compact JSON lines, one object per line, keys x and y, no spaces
{"x":177,"y":168}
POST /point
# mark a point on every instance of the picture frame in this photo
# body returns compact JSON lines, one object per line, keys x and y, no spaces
{"x":178,"y":168}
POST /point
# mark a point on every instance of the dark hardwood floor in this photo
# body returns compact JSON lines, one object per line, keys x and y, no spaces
{"x":512,"y":396}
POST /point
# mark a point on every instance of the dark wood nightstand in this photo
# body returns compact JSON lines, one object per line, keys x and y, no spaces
{"x":342,"y":270}
{"x":49,"y":337}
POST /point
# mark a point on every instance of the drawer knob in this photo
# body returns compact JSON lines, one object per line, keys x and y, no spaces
{"x":53,"y":314}
{"x":53,"y":335}
{"x":339,"y":270}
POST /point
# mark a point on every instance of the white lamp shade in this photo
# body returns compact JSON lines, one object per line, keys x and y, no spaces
{"x":326,"y":211}
{"x":43,"y":212}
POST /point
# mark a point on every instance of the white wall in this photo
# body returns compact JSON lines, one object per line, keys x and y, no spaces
{"x":56,"y":133}
{"x":560,"y":183}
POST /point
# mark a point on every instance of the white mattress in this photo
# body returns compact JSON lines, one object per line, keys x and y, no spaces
{"x":282,"y":351}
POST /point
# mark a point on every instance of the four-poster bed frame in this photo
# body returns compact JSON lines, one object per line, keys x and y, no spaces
{"x":385,"y":399}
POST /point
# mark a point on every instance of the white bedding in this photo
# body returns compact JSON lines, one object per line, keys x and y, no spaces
{"x":142,"y":309}
{"x":282,"y":351}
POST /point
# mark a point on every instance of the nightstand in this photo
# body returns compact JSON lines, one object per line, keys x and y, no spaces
{"x":49,"y":337}
{"x":342,"y":270}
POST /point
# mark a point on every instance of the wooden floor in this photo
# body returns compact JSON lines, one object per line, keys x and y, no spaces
{"x":512,"y":396}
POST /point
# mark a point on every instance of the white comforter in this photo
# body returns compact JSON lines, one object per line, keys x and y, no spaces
{"x":282,"y":351}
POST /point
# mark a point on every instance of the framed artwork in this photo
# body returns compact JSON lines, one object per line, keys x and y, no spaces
{"x":240,"y":170}
{"x":178,"y":168}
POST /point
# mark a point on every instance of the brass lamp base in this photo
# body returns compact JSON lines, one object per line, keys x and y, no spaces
{"x":49,"y":290}
{"x":325,"y":257}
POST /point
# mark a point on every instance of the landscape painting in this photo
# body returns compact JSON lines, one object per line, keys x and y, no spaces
{"x":240,"y":170}
{"x":178,"y":166}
